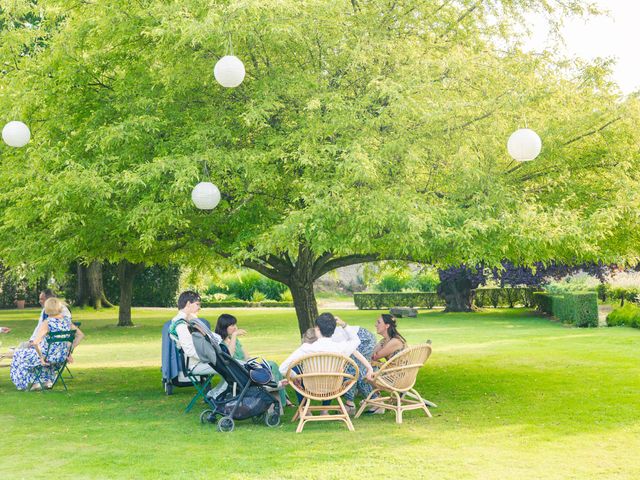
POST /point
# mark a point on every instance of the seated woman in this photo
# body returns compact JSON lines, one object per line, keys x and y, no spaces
{"x":392,"y":342}
{"x":367,"y":344}
{"x":227,"y":328}
{"x":30,"y":355}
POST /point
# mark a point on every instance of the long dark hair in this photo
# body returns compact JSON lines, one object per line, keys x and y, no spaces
{"x":393,"y":327}
{"x":224,"y":322}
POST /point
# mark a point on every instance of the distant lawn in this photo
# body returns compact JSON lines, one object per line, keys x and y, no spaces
{"x":520,"y":397}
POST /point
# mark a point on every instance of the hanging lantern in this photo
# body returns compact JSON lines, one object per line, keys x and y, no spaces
{"x":205,"y":196}
{"x":16,"y":134}
{"x":229,"y":71}
{"x":524,"y":145}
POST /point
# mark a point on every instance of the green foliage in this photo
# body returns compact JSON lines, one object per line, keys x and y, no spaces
{"x":425,"y":281}
{"x":375,"y":301}
{"x":579,"y":309}
{"x":155,"y":286}
{"x":604,"y":291}
{"x":212,"y":303}
{"x":15,"y":287}
{"x":504,"y":297}
{"x":392,"y":283}
{"x":244,"y":284}
{"x":627,"y":315}
{"x":372,"y":142}
{"x":629,"y":294}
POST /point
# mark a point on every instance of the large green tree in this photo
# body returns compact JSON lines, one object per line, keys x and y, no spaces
{"x":364,"y":130}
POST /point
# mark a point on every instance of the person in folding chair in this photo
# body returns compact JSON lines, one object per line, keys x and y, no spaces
{"x":29,"y":365}
{"x":189,"y":306}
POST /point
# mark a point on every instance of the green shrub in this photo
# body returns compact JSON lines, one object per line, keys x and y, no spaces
{"x":155,"y":286}
{"x":627,"y":315}
{"x":243,"y":284}
{"x":504,"y":297}
{"x":258,"y":296}
{"x":392,"y":283}
{"x":603,"y":290}
{"x":426,"y":281}
{"x":578,"y":308}
{"x":242,"y":303}
{"x":272,"y":289}
{"x":623,"y":294}
{"x":375,"y":301}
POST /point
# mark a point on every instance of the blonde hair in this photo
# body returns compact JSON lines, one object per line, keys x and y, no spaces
{"x":53,"y":306}
{"x":309,"y":336}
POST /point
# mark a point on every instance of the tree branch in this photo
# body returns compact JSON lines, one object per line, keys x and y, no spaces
{"x":592,"y":132}
{"x":344,"y":262}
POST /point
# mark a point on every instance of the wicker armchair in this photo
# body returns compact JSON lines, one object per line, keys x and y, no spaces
{"x":319,"y":377}
{"x":397,"y":377}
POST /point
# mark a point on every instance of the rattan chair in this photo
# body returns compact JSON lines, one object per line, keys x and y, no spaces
{"x":397,"y":377}
{"x":319,"y":377}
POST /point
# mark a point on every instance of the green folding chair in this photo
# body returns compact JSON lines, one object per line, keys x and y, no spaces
{"x":65,"y":336}
{"x":202,"y":383}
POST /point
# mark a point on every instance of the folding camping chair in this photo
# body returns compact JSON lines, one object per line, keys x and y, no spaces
{"x":65,"y":336}
{"x":202,"y":383}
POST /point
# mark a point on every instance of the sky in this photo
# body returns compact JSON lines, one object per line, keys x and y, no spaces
{"x":614,"y":35}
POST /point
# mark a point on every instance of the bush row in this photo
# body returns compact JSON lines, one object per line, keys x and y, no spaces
{"x":249,"y":286}
{"x":243,"y":303}
{"x":504,"y":297}
{"x":485,"y":297}
{"x":628,"y":315}
{"x":629,"y":294}
{"x":376,"y":301}
{"x":579,"y":309}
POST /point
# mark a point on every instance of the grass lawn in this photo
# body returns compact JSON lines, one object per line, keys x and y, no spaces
{"x":520,"y":397}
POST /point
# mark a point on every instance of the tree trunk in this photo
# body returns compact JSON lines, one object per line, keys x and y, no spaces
{"x":458,"y":294}
{"x":82,"y":290}
{"x":127,"y":272}
{"x":304,"y":301}
{"x":90,"y":290}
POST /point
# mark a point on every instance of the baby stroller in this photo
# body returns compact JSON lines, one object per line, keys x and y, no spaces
{"x":246,"y":395}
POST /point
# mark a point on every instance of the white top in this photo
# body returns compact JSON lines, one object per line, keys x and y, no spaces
{"x":341,"y":335}
{"x":185,"y":340}
{"x":65,"y":313}
{"x":346,"y":347}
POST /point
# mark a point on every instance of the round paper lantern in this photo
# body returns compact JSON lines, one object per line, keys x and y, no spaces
{"x":16,"y":134}
{"x":524,"y":145}
{"x":205,"y":196}
{"x":229,"y":71}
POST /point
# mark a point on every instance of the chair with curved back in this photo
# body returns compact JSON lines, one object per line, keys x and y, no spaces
{"x":397,"y":377}
{"x":321,"y":377}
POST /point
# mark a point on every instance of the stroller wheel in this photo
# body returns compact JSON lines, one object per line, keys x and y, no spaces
{"x":258,"y":418}
{"x":226,"y":424}
{"x":272,"y":419}
{"x":207,"y":416}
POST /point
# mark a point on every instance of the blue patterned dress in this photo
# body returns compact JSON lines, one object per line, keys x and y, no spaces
{"x":26,"y":360}
{"x":367,"y":344}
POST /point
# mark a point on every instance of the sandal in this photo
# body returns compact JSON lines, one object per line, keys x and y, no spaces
{"x":36,"y":387}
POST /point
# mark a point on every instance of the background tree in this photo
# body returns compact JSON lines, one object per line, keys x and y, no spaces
{"x":363,"y":131}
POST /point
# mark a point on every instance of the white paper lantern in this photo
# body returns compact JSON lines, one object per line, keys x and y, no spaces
{"x":524,"y":145}
{"x":16,"y":134}
{"x":229,"y":71}
{"x":205,"y":196}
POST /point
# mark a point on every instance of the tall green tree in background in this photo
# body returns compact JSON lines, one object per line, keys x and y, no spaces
{"x":364,"y":130}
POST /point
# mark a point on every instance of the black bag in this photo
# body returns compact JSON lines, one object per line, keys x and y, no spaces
{"x":255,"y":402}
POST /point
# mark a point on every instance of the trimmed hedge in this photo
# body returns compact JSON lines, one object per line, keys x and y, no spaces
{"x":504,"y":297}
{"x":376,"y":301}
{"x":629,"y":316}
{"x":579,"y":309}
{"x":243,"y":303}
